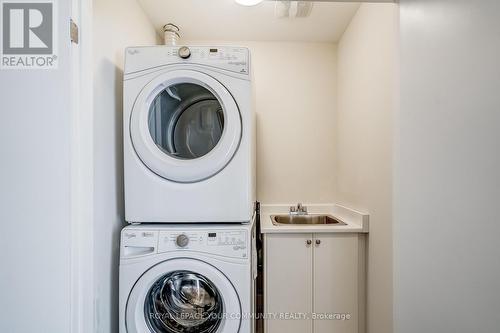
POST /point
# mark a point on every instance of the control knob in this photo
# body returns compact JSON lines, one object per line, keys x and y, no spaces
{"x":184,"y":52}
{"x":182,"y":240}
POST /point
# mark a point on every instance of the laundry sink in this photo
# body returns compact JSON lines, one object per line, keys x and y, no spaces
{"x":307,"y":219}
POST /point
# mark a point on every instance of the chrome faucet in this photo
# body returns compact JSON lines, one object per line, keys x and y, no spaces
{"x":298,"y":210}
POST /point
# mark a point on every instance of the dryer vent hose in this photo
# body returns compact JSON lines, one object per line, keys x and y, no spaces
{"x":171,"y":34}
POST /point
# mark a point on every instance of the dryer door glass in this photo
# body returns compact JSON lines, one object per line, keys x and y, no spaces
{"x":185,"y":126}
{"x":183,"y":302}
{"x":186,"y":120}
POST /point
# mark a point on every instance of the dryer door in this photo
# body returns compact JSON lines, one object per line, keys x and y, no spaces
{"x":183,"y":296}
{"x":185,"y":126}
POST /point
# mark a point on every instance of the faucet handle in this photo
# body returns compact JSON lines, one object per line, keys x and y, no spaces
{"x":301,"y":208}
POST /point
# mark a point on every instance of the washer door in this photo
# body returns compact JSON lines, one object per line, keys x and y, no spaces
{"x":183,"y":296}
{"x":185,"y":126}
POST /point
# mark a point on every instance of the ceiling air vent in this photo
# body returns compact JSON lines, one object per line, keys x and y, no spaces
{"x":292,"y":9}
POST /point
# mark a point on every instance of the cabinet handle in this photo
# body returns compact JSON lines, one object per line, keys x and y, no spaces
{"x":318,"y":241}
{"x":308,"y":242}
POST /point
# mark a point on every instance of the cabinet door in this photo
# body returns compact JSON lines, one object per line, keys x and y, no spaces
{"x":335,"y":285}
{"x":288,"y":282}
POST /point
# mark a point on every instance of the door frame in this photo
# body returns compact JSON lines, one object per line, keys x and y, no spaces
{"x":81,"y":269}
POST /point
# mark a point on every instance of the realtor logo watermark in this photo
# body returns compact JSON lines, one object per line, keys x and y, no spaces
{"x":28,"y":34}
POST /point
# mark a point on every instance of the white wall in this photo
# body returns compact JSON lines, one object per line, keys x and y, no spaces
{"x":295,"y":86}
{"x":117,"y":24}
{"x":35,"y":194}
{"x":447,"y":180}
{"x":366,"y":92}
{"x":295,"y":103}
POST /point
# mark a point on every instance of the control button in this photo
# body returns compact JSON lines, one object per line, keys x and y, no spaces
{"x":182,"y":240}
{"x":130,"y":235}
{"x":184,"y":52}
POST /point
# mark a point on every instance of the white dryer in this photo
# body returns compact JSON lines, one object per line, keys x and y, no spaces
{"x":189,"y":143}
{"x":187,"y":278}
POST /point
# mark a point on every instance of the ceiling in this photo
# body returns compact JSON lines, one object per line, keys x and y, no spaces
{"x":224,"y":20}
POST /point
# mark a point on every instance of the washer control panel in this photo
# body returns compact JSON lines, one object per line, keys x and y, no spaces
{"x":228,"y":243}
{"x":231,"y":58}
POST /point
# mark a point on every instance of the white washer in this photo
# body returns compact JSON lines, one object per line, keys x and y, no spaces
{"x":187,"y":278}
{"x":189,"y":143}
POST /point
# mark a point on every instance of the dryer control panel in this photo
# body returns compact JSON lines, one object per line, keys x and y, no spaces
{"x":230,"y":58}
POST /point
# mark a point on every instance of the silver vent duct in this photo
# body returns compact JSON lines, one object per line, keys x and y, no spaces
{"x":171,"y":34}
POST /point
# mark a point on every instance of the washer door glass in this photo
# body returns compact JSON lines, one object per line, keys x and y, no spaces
{"x":185,"y":126}
{"x":183,"y":302}
{"x":186,"y":120}
{"x":183,"y":295}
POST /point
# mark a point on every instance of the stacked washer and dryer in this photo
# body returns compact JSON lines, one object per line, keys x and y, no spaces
{"x":188,"y":259}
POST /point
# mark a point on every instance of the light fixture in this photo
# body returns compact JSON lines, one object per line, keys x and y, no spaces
{"x":248,"y":2}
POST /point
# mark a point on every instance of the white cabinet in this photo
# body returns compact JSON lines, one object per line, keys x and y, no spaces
{"x":288,"y":259}
{"x":314,"y":283}
{"x":336,"y":282}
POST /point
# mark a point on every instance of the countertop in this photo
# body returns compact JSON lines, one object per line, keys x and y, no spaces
{"x":356,"y":222}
